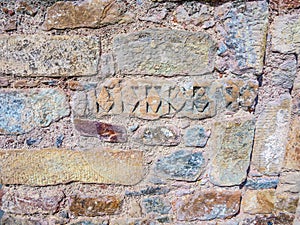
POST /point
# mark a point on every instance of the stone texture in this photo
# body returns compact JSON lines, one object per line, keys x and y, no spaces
{"x":280,"y":219}
{"x":167,"y":135}
{"x":164,"y":52}
{"x":243,"y":33}
{"x":258,"y":201}
{"x":286,"y":203}
{"x":154,"y":98}
{"x":286,"y":33}
{"x":43,"y":55}
{"x":97,"y":206}
{"x":262,"y":183}
{"x":156,"y":205}
{"x":55,"y":166}
{"x":208,"y":205}
{"x":289,"y":182}
{"x":24,"y":110}
{"x":232,"y":149}
{"x":149,"y":191}
{"x":180,"y":165}
{"x":196,"y":136}
{"x":29,"y":201}
{"x":104,"y":131}
{"x":87,"y":13}
{"x":284,"y":4}
{"x":271,"y":133}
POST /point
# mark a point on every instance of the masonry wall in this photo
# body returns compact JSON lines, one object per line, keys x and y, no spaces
{"x":149,"y":112}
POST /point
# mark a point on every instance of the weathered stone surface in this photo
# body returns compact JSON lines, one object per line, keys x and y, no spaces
{"x":208,"y":205}
{"x":271,"y":133}
{"x":87,"y":13}
{"x":149,"y":191}
{"x":97,"y":206}
{"x":104,"y":131}
{"x":167,"y":135}
{"x":54,"y":166}
{"x":284,"y":4}
{"x":292,"y":154}
{"x":258,"y":201}
{"x":156,"y":205}
{"x":244,"y":34}
{"x":196,"y":136}
{"x":280,"y":219}
{"x":89,"y":222}
{"x":232,"y":150}
{"x":286,"y":33}
{"x":20,"y":220}
{"x":289,"y":182}
{"x":164,"y":52}
{"x":181,"y":165}
{"x":43,"y":55}
{"x":286,"y":203}
{"x":152,"y":99}
{"x":27,"y":200}
{"x":131,"y":221}
{"x":23,"y":110}
{"x":262,"y":183}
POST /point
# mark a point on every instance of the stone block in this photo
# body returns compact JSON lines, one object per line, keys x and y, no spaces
{"x":286,"y":202}
{"x":232,"y":150}
{"x":164,"y":52}
{"x":262,"y":183}
{"x":156,"y":205}
{"x":196,"y":136}
{"x":289,"y":182}
{"x":55,"y":166}
{"x":43,"y":55}
{"x":24,"y":110}
{"x":258,"y":201}
{"x":284,"y":4}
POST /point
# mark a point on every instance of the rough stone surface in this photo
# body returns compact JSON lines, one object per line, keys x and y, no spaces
{"x":104,"y":205}
{"x":41,"y":55}
{"x":23,"y":110}
{"x":270,"y":141}
{"x":280,"y":219}
{"x":156,"y":205}
{"x":258,"y":201}
{"x":164,"y":52}
{"x":286,"y":203}
{"x":196,"y":136}
{"x":181,"y":165}
{"x":286,"y":33}
{"x":284,"y":4}
{"x":149,"y":191}
{"x":54,"y":166}
{"x":208,"y":205}
{"x":262,"y":183}
{"x":167,"y":135}
{"x":154,"y":98}
{"x":289,"y":182}
{"x":232,"y":150}
{"x":88,"y":13}
{"x":104,"y":131}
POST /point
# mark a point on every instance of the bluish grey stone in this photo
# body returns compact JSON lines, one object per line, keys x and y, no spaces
{"x":181,"y":165}
{"x":23,"y":110}
{"x":156,"y":205}
{"x":262,"y":183}
{"x":196,"y":137}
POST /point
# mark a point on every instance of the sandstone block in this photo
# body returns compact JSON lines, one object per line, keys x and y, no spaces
{"x":289,"y":182}
{"x":258,"y":201}
{"x":167,"y":135}
{"x":164,"y":52}
{"x":55,"y":166}
{"x":23,"y":110}
{"x":208,"y":205}
{"x":196,"y":136}
{"x":42,"y":55}
{"x":232,"y":150}
{"x":286,"y":202}
{"x":271,"y":134}
{"x":87,"y":13}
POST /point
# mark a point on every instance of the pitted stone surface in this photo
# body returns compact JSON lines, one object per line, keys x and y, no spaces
{"x":87,"y":13}
{"x":271,"y":133}
{"x":42,"y":55}
{"x":55,"y":166}
{"x":164,"y":52}
{"x":232,"y":151}
{"x":154,"y":98}
{"x":208,"y":205}
{"x":23,"y":110}
{"x":196,"y":136}
{"x":286,"y":33}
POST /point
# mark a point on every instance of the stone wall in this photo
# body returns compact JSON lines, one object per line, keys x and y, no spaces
{"x":150,"y":112}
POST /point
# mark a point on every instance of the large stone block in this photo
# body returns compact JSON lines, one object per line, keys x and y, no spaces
{"x":155,"y":98}
{"x":271,"y":135}
{"x":285,"y":31}
{"x":232,"y":150}
{"x":208,"y":205}
{"x":42,"y":55}
{"x":23,"y":110}
{"x":55,"y":166}
{"x":88,"y":13}
{"x":164,"y":52}
{"x":258,"y":201}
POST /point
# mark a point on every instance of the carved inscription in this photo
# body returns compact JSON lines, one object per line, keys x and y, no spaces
{"x":152,"y":99}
